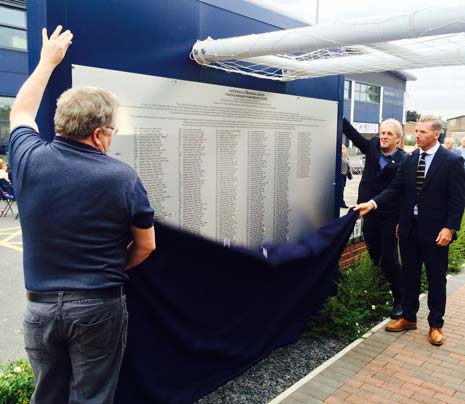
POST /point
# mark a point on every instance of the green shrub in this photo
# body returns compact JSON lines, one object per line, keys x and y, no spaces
{"x":16,"y":382}
{"x":363,"y":298}
{"x":457,"y":251}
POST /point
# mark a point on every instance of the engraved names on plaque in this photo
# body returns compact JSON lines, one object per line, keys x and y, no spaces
{"x":235,"y":165}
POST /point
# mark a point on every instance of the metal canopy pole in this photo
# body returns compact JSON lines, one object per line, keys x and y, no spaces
{"x":420,"y":23}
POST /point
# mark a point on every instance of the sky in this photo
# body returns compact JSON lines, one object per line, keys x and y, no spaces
{"x":439,"y":91}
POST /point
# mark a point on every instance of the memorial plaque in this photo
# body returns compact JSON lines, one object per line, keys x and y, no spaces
{"x":236,"y":165}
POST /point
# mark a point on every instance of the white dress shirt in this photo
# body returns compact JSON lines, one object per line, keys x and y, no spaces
{"x":428,"y":159}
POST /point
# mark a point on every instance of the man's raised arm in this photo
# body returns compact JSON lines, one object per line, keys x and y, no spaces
{"x":24,"y":109}
{"x":357,"y":139}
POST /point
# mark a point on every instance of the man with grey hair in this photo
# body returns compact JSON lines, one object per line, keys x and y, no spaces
{"x":85,"y":218}
{"x":431,"y":186}
{"x":382,"y":159}
{"x":449,"y":145}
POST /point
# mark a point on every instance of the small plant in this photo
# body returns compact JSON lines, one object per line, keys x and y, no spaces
{"x":363,"y":299}
{"x":16,"y":382}
{"x":457,"y":251}
{"x":363,"y":296}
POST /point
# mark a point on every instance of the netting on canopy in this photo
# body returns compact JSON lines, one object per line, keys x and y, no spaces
{"x":425,"y":38}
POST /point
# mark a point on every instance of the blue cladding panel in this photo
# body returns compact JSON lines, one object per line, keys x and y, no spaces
{"x":219,"y":23}
{"x":152,"y":38}
{"x":326,"y":88}
{"x":366,"y":112}
{"x":13,"y":61}
{"x":393,"y":104}
{"x":145,"y":37}
{"x":13,"y":71}
{"x":10,"y":83}
{"x":250,"y":10}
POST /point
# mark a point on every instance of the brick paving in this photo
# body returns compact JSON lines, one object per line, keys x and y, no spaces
{"x":400,"y":367}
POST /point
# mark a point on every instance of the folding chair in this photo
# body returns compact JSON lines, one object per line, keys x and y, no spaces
{"x":7,"y":195}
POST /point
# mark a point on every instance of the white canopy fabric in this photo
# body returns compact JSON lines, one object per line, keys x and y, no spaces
{"x":424,"y":38}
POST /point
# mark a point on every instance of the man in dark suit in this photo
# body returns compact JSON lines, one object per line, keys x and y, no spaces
{"x":431,"y":186}
{"x":382,"y":159}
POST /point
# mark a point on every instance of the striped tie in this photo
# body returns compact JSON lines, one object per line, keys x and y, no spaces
{"x":421,"y":173}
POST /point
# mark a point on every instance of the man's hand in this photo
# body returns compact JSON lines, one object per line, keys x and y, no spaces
{"x":444,"y":237}
{"x":364,"y":208}
{"x":54,"y":48}
{"x":24,"y":109}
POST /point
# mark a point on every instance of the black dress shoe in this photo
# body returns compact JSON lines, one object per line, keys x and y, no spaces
{"x":396,"y":311}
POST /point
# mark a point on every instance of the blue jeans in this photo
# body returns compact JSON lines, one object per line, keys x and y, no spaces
{"x":75,"y":349}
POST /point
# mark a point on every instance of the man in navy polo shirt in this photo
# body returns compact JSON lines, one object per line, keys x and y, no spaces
{"x":79,"y":211}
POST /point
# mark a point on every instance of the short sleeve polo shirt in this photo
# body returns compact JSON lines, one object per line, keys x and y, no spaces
{"x":76,"y":208}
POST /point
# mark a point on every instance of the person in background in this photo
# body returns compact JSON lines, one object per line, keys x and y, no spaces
{"x":85,"y":218}
{"x":431,"y":186}
{"x":346,"y":173}
{"x":461,"y":149}
{"x":382,"y":159}
{"x":4,"y":171}
{"x":449,"y":145}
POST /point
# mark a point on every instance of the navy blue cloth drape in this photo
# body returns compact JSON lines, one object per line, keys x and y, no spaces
{"x":200,"y":314}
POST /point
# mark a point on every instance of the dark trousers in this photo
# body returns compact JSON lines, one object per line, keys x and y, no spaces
{"x":379,"y":231}
{"x":340,"y":197}
{"x":75,"y":349}
{"x":415,"y":253}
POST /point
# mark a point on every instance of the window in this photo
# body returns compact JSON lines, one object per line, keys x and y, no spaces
{"x":12,"y":17}
{"x":347,"y":89}
{"x":12,"y":28}
{"x":367,"y":93}
{"x":5,"y":108}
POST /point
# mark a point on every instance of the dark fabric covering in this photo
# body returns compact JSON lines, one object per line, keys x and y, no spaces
{"x":200,"y":314}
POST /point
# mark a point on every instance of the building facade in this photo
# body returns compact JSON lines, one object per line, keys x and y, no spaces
{"x":455,"y":128}
{"x":370,"y":98}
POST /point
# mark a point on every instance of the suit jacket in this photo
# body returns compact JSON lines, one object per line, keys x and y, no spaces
{"x":441,"y":201}
{"x":373,"y":179}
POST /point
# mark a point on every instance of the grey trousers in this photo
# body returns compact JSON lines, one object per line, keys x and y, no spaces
{"x":75,"y":349}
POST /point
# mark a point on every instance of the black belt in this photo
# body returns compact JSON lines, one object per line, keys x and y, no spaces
{"x":71,"y":295}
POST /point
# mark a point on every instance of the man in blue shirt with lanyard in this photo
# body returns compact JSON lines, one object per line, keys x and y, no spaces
{"x":85,"y":219}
